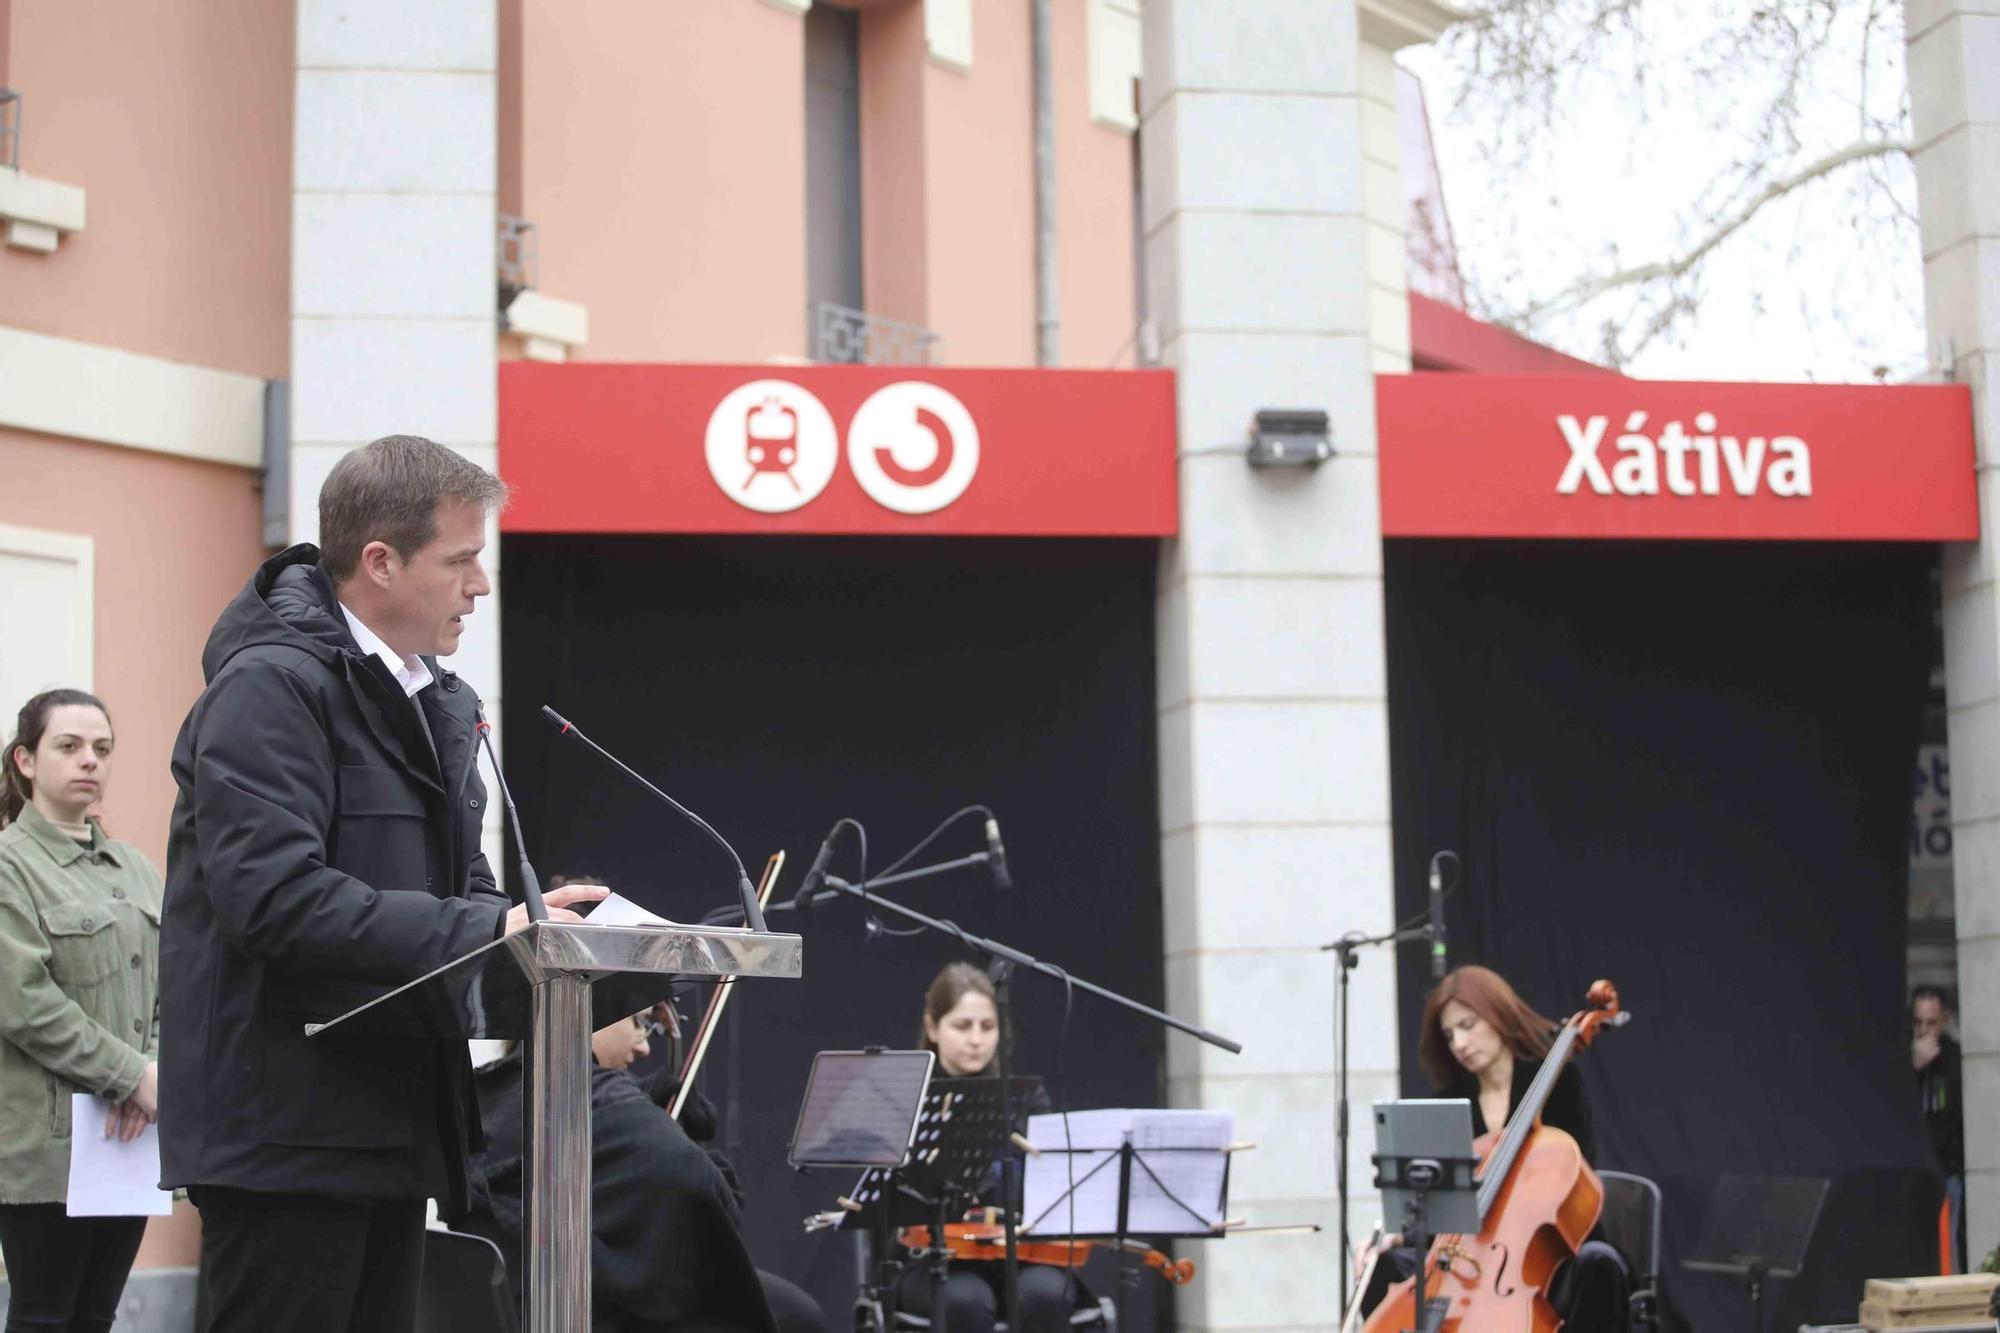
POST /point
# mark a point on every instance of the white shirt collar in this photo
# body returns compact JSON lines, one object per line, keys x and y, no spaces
{"x":410,"y":672}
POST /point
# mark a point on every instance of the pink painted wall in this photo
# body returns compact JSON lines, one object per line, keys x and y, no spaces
{"x":176,"y":118}
{"x":895,"y":262}
{"x":948,"y":190}
{"x":507,"y":92}
{"x":662,"y":161}
{"x":660,"y":152}
{"x":175,"y":539}
{"x":979,"y":176}
{"x":1094,"y":260}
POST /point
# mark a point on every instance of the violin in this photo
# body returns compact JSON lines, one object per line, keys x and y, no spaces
{"x":987,"y":1240}
{"x":1538,"y":1200}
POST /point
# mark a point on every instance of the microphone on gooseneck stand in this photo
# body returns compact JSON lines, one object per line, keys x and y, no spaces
{"x":815,"y":874}
{"x":1436,"y":931}
{"x":996,"y":857}
{"x":753,"y":916}
{"x":531,"y":887}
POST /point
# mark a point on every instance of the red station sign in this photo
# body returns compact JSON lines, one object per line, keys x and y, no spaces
{"x":837,"y":449}
{"x":1604,"y":456}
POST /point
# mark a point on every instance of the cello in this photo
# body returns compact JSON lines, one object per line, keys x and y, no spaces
{"x":1538,"y":1201}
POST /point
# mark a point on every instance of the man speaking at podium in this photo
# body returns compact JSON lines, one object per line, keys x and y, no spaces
{"x":325,"y":849}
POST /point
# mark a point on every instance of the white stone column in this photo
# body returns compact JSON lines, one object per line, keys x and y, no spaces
{"x":393,"y":286}
{"x":1954,"y":52}
{"x":1274,"y":765}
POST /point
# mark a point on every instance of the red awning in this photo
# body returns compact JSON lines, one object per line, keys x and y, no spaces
{"x":837,"y":449}
{"x":1606,"y":456}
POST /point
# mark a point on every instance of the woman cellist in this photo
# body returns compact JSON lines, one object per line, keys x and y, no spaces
{"x":1481,"y":1041}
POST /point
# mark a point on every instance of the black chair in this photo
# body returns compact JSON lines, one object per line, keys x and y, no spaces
{"x":464,"y":1289}
{"x":1631,"y":1221}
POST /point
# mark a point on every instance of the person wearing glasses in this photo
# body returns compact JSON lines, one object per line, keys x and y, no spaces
{"x":667,"y":1252}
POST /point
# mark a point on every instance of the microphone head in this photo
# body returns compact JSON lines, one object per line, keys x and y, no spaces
{"x":815,"y":874}
{"x":996,"y":857}
{"x":560,"y":722}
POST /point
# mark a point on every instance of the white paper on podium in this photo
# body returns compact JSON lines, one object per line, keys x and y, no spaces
{"x":614,"y":910}
{"x":1178,"y":1173}
{"x":107,"y":1177}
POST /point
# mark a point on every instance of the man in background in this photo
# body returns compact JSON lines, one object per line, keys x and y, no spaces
{"x":1934,"y":1055}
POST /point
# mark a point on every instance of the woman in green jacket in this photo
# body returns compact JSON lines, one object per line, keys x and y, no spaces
{"x":79,"y":992}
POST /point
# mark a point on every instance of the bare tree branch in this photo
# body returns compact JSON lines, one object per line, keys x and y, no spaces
{"x":1759,"y":147}
{"x":1587,"y":289}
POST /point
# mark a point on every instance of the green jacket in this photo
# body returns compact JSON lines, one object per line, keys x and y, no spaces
{"x":79,"y":990}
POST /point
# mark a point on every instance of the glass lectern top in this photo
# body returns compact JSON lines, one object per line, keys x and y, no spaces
{"x":486,"y":993}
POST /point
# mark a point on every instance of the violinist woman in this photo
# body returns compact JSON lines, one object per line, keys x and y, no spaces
{"x":1482,"y":1042}
{"x":961,"y":1023}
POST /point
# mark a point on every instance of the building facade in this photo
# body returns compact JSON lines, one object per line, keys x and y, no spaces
{"x":338,"y":219}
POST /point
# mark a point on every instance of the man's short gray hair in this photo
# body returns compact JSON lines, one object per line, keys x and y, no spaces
{"x":389,"y":491}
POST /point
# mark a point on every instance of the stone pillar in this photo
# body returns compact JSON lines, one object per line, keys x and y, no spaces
{"x":393,"y":275}
{"x":1274,"y":767}
{"x":1954,"y":48}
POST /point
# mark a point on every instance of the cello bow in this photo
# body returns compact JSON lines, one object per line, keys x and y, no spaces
{"x":711,"y":1018}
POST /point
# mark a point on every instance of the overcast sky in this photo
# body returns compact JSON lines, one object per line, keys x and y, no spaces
{"x":1825,"y":284}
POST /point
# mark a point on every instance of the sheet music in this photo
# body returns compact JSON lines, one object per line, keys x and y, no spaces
{"x":1176,"y":1178}
{"x":108,"y":1177}
{"x":1178,"y":1172}
{"x":1049,"y":1206}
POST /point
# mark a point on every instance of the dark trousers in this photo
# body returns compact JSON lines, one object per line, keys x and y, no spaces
{"x":792,"y":1307}
{"x":307,"y":1264}
{"x":1048,"y":1294}
{"x":65,"y":1274}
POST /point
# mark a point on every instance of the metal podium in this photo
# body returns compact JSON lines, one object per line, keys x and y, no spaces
{"x":552,"y":985}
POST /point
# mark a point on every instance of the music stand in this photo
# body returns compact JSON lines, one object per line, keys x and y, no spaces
{"x":1424,"y":1167}
{"x":1758,"y":1227}
{"x":1170,"y":1168}
{"x":961,"y":1130}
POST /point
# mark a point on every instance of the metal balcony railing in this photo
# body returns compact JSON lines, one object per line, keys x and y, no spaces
{"x":846,"y":336}
{"x":10,"y":128}
{"x":517,"y":255}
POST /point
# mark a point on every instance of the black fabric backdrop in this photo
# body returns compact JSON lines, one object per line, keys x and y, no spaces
{"x":774,"y":684}
{"x":1686,"y":768}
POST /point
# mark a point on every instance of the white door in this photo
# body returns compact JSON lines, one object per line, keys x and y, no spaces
{"x":46,"y":593}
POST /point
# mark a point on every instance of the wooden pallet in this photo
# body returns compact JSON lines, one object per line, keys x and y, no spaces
{"x":1875,"y":1317}
{"x":1966,"y":1291}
